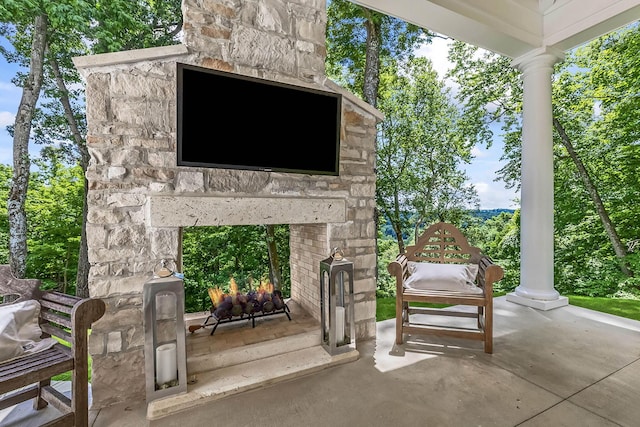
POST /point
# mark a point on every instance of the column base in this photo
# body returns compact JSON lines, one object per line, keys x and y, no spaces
{"x":538,"y":303}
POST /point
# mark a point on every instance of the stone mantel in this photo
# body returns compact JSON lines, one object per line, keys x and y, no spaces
{"x":129,"y":56}
{"x":183,"y":211}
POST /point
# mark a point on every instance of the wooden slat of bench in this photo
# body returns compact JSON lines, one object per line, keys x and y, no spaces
{"x":19,"y":396}
{"x":425,"y":257}
{"x":60,"y":298}
{"x":49,"y":329}
{"x":66,"y":420}
{"x":21,"y":364}
{"x":442,"y":312}
{"x":35,"y":367}
{"x":51,"y":305}
{"x":443,"y":297}
{"x":443,"y":331}
{"x":56,"y":318}
{"x":56,"y":399}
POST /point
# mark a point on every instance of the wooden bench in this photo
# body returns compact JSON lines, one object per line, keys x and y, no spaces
{"x":29,"y":376}
{"x":443,"y":243}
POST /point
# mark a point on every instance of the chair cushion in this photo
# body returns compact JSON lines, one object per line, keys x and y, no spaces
{"x":19,"y":330}
{"x":444,"y":277}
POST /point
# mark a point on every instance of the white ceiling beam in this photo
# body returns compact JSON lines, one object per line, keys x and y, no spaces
{"x":580,"y":21}
{"x":514,"y":27}
{"x":501,"y":37}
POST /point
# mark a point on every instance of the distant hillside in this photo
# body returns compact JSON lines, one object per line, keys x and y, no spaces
{"x":485,"y":214}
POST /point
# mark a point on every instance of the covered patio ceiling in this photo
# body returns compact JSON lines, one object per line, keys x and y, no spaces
{"x":514,"y":28}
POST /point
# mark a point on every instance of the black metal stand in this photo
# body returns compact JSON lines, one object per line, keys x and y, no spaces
{"x":252,"y":317}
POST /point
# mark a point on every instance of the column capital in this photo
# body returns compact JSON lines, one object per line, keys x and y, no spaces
{"x":542,"y":57}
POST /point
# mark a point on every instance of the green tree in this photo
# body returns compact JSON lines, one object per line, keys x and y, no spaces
{"x":54,"y":210}
{"x":420,"y":148}
{"x":64,"y":29}
{"x":35,"y":23}
{"x":361,"y":42}
{"x":600,"y":183}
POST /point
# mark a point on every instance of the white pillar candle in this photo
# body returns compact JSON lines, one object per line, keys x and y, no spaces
{"x":339,"y":324}
{"x":166,"y":363}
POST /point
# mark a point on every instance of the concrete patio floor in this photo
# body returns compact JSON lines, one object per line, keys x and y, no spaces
{"x":564,"y":367}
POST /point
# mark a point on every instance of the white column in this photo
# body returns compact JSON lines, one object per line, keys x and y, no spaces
{"x":536,"y":196}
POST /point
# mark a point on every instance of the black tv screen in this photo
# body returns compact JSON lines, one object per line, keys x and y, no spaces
{"x":231,"y":121}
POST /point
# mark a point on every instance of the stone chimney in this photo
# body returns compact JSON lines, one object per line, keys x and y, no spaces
{"x":139,"y":198}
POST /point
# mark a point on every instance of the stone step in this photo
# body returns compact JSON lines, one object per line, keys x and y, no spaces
{"x":233,"y":356}
{"x":218,"y":383}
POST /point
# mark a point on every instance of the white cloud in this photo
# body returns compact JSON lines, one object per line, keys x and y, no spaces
{"x":7,"y":118}
{"x":493,"y":195}
{"x":437,"y":51}
{"x":479,"y":152}
{"x":8,"y":87}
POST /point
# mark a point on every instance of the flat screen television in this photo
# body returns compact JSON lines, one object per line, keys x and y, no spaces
{"x":231,"y":121}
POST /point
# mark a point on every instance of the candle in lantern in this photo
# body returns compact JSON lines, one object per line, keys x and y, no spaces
{"x":166,"y":363}
{"x":339,"y":324}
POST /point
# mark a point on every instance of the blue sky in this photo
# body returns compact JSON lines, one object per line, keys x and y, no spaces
{"x":482,"y":170}
{"x":486,"y":162}
{"x":9,"y":101}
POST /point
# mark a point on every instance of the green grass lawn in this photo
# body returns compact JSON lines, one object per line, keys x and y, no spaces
{"x":628,"y":308}
{"x":386,"y":307}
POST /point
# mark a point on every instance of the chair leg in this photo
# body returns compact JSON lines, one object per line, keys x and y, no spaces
{"x":400,"y":314}
{"x":38,"y":401}
{"x":488,"y":327}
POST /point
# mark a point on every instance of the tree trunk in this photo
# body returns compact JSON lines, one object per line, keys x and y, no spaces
{"x":21,"y":163}
{"x":372,"y":64}
{"x":274,"y":261}
{"x":618,"y":247}
{"x":82,"y":277}
{"x":397,"y":224}
{"x":370,"y":88}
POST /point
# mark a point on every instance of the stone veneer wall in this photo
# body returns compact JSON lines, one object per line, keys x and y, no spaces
{"x":138,"y":197}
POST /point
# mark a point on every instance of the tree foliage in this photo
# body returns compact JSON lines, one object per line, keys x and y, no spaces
{"x":361,"y":43}
{"x":54,"y":207}
{"x":420,"y":149}
{"x":212,"y":256}
{"x":54,"y":211}
{"x":64,"y":29}
{"x":595,"y":147}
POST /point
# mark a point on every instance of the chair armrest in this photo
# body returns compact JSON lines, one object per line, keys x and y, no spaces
{"x":488,"y":274}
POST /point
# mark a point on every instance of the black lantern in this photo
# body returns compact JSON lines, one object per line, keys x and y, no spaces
{"x":337,"y":304}
{"x":165,"y":346}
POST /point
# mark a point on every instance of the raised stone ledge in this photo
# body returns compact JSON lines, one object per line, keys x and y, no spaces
{"x":127,"y":56}
{"x":182,"y":211}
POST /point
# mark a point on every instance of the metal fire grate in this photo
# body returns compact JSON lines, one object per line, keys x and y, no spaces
{"x":246,"y":307}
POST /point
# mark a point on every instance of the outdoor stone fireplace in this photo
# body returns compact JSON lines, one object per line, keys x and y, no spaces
{"x":139,"y":199}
